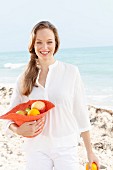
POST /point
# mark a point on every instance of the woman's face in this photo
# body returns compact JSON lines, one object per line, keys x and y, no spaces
{"x":44,"y":43}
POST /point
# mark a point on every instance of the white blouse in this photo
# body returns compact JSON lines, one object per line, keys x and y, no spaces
{"x":69,"y":118}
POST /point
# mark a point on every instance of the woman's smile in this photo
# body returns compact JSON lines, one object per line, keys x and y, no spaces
{"x":44,"y":53}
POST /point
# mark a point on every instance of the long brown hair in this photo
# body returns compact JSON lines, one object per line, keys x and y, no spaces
{"x":30,"y":74}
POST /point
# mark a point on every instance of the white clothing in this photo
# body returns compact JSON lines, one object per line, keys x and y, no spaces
{"x":69,"y":118}
{"x":65,"y":158}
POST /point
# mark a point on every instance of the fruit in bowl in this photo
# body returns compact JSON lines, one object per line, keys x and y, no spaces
{"x":21,"y":112}
{"x":34,"y":109}
{"x":27,"y":109}
{"x":39,"y":105}
{"x":33,"y":112}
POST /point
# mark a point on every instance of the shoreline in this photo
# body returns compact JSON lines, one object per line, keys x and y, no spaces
{"x":10,"y":86}
{"x":7,"y":85}
{"x":101,"y":107}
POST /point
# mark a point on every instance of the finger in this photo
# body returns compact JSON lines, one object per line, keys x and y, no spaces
{"x":42,"y":118}
{"x":38,"y":132}
{"x":39,"y":126}
{"x":30,"y":123}
{"x":90,"y":165}
{"x":98,"y":165}
{"x":40,"y":122}
{"x":37,"y":122}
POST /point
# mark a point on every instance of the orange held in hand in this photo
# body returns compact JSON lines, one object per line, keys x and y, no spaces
{"x":93,"y":166}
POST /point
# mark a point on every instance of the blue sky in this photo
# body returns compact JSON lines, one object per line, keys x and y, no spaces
{"x":80,"y":23}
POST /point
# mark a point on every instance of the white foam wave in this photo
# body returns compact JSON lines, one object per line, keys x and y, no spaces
{"x":104,"y":101}
{"x":100,"y":96}
{"x":14,"y":65}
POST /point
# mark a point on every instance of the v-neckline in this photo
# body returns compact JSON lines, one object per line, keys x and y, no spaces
{"x":50,"y":68}
{"x":44,"y":80}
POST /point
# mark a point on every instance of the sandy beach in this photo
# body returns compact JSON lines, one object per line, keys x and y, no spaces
{"x":12,"y":156}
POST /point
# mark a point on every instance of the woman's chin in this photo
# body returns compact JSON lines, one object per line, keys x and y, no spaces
{"x":45,"y":57}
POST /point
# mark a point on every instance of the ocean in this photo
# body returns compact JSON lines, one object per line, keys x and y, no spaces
{"x":95,"y":65}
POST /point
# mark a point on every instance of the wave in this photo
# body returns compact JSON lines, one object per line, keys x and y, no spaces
{"x":13,"y":65}
{"x":104,"y":101}
{"x":100,"y":96}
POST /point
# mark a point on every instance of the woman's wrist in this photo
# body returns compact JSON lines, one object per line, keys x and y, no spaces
{"x":89,"y":149}
{"x":13,"y":127}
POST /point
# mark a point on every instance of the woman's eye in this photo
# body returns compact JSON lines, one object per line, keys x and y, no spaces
{"x":38,"y":42}
{"x":50,"y":42}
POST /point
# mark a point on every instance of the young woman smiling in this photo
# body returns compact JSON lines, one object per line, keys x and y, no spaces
{"x":58,"y":133}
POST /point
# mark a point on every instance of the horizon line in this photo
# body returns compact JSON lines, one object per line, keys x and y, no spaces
{"x":65,"y":48}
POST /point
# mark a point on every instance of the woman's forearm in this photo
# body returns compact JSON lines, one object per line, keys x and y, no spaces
{"x":87,"y":141}
{"x":32,"y":128}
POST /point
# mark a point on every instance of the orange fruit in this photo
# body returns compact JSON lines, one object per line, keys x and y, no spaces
{"x":93,"y":166}
{"x":33,"y":112}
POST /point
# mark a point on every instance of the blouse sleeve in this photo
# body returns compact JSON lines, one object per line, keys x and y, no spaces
{"x":15,"y":100}
{"x":16,"y":96}
{"x":80,"y":107}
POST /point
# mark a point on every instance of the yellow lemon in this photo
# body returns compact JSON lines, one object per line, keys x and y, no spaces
{"x":33,"y":112}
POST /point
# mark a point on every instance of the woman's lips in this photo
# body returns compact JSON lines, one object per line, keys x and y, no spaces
{"x":44,"y":52}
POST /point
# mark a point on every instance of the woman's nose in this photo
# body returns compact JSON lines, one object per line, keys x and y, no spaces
{"x":44,"y":46}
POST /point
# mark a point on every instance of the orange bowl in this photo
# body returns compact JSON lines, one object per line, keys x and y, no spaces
{"x":20,"y":119}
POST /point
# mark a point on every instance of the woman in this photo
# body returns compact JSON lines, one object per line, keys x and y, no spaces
{"x":46,"y":78}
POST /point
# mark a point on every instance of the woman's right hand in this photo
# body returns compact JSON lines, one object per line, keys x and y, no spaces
{"x":30,"y":129}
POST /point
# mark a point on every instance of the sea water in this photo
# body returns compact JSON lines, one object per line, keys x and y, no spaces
{"x":95,"y":65}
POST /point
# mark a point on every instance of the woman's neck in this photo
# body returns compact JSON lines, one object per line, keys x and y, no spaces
{"x":45,"y":64}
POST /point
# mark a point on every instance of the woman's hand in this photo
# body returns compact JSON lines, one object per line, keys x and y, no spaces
{"x":92,"y":158}
{"x":30,"y":129}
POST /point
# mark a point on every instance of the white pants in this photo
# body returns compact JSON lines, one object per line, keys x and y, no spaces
{"x":65,"y":158}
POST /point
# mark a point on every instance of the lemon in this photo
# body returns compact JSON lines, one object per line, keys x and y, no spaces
{"x":33,"y":112}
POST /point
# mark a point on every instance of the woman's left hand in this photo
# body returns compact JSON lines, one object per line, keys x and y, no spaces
{"x":92,"y":158}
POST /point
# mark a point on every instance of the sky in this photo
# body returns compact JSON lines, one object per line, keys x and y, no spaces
{"x":80,"y":23}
